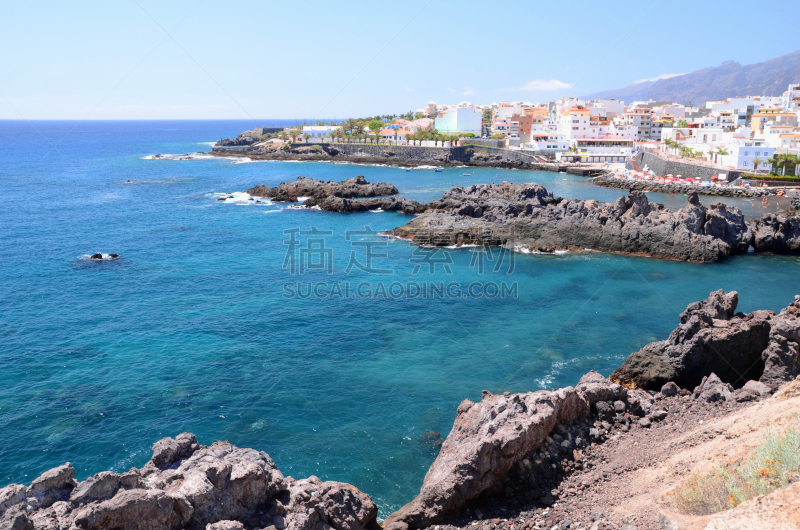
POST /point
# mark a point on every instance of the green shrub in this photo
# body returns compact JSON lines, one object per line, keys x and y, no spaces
{"x":286,"y":146}
{"x":317,"y":148}
{"x":787,"y":178}
{"x":771,"y":465}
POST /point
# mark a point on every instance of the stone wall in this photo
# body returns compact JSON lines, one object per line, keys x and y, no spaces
{"x":663,"y":167}
{"x":488,"y":142}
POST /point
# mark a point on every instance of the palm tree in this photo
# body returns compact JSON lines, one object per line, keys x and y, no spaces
{"x":721,"y":151}
{"x":306,"y":136}
{"x":783,"y":160}
{"x":756,"y":162}
{"x":294,"y":133}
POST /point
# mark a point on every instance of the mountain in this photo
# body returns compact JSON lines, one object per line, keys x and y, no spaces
{"x":730,"y":79}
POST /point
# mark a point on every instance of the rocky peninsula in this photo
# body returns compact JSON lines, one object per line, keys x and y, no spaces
{"x":597,"y":455}
{"x":397,"y":155}
{"x":528,"y":218}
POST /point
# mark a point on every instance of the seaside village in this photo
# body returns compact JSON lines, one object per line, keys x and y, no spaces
{"x":751,"y":136}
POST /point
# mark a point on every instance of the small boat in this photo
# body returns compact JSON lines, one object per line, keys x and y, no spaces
{"x":408,"y":169}
{"x":438,"y":170}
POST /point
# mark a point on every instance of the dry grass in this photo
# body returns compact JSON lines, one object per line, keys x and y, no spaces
{"x":774,"y":463}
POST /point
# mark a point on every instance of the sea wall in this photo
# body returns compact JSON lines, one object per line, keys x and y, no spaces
{"x":663,"y":167}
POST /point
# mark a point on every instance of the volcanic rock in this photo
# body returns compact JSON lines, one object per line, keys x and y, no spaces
{"x":777,"y":233}
{"x":529,"y":217}
{"x":488,"y":438}
{"x":51,"y":486}
{"x":710,"y":338}
{"x":782,"y":356}
{"x":186,"y":485}
{"x":389,"y":204}
{"x":670,"y":389}
{"x":329,"y":504}
{"x":321,"y":189}
{"x":245,"y":138}
{"x":226,"y":525}
{"x":711,"y":389}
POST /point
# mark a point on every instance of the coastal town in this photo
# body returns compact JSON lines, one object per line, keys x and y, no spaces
{"x":400,"y":266}
{"x":744,"y":141}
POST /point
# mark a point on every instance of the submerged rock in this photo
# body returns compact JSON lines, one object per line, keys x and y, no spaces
{"x":710,"y":338}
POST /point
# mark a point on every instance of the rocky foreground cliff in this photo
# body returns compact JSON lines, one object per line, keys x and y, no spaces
{"x":544,"y":459}
{"x":528,"y":218}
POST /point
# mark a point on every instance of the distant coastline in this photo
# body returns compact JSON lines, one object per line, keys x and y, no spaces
{"x":403,"y":156}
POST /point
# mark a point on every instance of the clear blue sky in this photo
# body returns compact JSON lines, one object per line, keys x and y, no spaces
{"x":266,"y":59}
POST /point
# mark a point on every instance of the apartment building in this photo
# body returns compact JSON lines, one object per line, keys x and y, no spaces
{"x":640,"y":118}
{"x":574,"y":122}
{"x":790,"y":101}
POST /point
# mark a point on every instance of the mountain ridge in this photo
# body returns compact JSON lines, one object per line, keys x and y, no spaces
{"x":730,"y":79}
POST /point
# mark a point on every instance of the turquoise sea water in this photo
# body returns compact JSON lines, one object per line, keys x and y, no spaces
{"x":191,"y":331}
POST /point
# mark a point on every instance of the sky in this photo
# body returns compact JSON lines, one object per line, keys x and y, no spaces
{"x":251,"y":59}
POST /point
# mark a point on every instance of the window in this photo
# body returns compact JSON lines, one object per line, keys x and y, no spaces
{"x":758,"y":153}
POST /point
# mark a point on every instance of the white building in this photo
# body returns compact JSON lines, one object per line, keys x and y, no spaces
{"x":790,"y":101}
{"x":743,"y":152}
{"x":598,"y":150}
{"x":560,"y":105}
{"x":678,"y":111}
{"x":547,"y":142}
{"x":573,"y":122}
{"x":772,"y":134}
{"x":318,"y":132}
{"x":460,"y":119}
{"x":610,"y":106}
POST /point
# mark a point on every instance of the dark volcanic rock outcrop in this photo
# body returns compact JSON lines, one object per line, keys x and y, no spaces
{"x":528,"y":216}
{"x":777,"y":233}
{"x":782,"y":356}
{"x":489,"y":437}
{"x":710,"y":338}
{"x":245,"y":138}
{"x":186,"y":485}
{"x":389,"y":204}
{"x":321,"y":189}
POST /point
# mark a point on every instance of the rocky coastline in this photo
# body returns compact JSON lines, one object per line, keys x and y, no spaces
{"x":528,"y":218}
{"x":544,"y":459}
{"x":611,"y":181}
{"x":396,"y":155}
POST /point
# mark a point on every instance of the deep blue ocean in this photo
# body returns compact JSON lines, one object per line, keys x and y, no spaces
{"x":192,"y":329}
